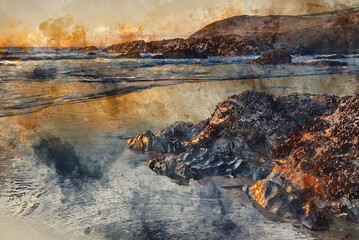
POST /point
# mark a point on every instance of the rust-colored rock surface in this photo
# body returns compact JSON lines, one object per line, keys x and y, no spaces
{"x":302,"y":149}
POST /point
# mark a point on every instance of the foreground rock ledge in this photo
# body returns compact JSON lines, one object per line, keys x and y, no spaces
{"x":301,"y":150}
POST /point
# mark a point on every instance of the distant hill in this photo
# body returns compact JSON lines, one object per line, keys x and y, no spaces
{"x":329,"y":32}
{"x":338,"y":30}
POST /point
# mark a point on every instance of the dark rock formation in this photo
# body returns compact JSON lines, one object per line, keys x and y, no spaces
{"x":127,"y":47}
{"x":92,"y":54}
{"x":322,"y":63}
{"x":242,"y":128}
{"x":331,"y":32}
{"x":320,"y":165}
{"x":90,"y":48}
{"x":309,"y":143}
{"x":229,"y":45}
{"x":274,"y":56}
{"x":325,"y":33}
{"x":130,"y":55}
{"x":184,"y":54}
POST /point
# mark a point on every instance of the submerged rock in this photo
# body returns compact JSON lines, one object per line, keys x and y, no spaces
{"x":274,"y":56}
{"x":130,"y":55}
{"x":302,"y":149}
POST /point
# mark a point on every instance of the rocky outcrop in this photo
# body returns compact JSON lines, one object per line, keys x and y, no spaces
{"x":325,"y":33}
{"x":333,"y":32}
{"x":128,"y":47}
{"x":243,"y":128}
{"x":92,"y":54}
{"x":184,"y":54}
{"x":229,"y":45}
{"x":302,"y":149}
{"x":274,"y":56}
{"x":130,"y":55}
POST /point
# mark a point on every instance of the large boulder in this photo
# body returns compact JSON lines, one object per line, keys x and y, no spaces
{"x":274,"y":56}
{"x":302,"y":149}
{"x":235,"y":140}
{"x":130,"y":55}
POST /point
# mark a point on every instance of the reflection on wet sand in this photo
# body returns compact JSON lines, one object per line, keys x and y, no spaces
{"x":157,"y":106}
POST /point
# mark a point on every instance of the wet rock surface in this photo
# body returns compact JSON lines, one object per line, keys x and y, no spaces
{"x":135,"y":54}
{"x":274,"y":56}
{"x":184,"y":54}
{"x":302,"y":150}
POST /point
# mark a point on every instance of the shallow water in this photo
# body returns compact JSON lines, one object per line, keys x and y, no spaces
{"x":45,"y":76}
{"x":107,"y":191}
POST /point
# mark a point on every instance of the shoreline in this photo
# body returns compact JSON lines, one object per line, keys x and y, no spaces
{"x":327,"y":83}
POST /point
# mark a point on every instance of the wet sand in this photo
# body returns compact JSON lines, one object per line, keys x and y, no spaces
{"x":111,"y":120}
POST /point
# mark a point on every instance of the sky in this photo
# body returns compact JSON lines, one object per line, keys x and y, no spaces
{"x":105,"y":22}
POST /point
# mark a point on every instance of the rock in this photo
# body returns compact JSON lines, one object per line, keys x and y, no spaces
{"x":90,"y":48}
{"x":241,"y":131}
{"x":229,"y":45}
{"x":92,"y":54}
{"x":275,"y":56}
{"x":315,"y":221}
{"x":325,"y":33}
{"x":322,"y":63}
{"x":130,"y":55}
{"x":169,"y":140}
{"x":184,"y":54}
{"x":302,"y":149}
{"x":128,"y":47}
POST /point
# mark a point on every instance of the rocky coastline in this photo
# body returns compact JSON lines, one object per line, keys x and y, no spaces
{"x":325,"y":33}
{"x":300,"y":150}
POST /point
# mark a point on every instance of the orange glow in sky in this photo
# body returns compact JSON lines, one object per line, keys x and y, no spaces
{"x":103,"y":22}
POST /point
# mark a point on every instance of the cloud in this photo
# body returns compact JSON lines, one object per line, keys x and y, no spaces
{"x":63,"y":32}
{"x":104,"y":22}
